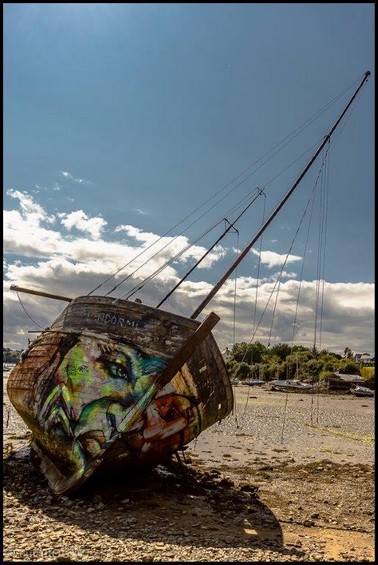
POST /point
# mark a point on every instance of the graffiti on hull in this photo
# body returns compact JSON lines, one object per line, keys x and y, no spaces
{"x":106,"y":390}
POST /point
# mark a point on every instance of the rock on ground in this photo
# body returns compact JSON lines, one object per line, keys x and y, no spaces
{"x":284,"y":478}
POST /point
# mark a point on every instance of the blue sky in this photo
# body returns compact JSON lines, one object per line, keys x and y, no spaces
{"x":121,"y":120}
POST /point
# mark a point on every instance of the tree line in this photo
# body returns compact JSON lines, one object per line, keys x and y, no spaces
{"x":11,"y":355}
{"x":283,"y":361}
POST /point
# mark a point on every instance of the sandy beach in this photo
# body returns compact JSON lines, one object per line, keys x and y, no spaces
{"x":286,"y":477}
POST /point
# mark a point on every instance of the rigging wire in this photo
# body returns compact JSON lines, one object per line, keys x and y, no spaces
{"x":181,"y":252}
{"x":166,"y":264}
{"x":257,"y":284}
{"x":324,"y":256}
{"x":171,"y":241}
{"x":320,"y":176}
{"x":258,"y":266}
{"x":318,"y":268}
{"x":287,"y":139}
{"x":321,"y":273}
{"x":235,"y":286}
{"x":302,"y":268}
{"x":257,"y":287}
{"x":28,"y":315}
{"x":230,"y":226}
{"x":324,"y":172}
{"x":248,"y":247}
{"x":286,"y":258}
{"x":310,"y":200}
{"x":158,"y":271}
{"x":188,"y":246}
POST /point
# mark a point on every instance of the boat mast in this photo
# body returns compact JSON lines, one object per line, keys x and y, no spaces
{"x":327,"y":138}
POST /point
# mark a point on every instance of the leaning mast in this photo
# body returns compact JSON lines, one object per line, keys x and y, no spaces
{"x":327,"y":138}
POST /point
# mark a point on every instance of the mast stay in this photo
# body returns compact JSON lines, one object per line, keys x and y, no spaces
{"x":246,"y":250}
{"x":242,"y":255}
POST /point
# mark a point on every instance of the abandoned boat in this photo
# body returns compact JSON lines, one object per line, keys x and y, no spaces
{"x":364,"y":391}
{"x":117,"y":383}
{"x":290,"y":385}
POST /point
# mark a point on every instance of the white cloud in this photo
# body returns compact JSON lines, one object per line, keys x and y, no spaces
{"x":69,"y":176}
{"x":29,"y":209}
{"x":80,"y":221}
{"x":170,"y":247}
{"x":272,"y":259}
{"x":347,"y":317}
{"x":50,"y":259}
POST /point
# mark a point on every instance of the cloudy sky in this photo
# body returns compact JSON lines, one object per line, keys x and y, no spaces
{"x":136,"y":134}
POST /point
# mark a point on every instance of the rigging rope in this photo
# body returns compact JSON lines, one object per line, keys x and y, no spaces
{"x":302,"y":268}
{"x":28,"y":315}
{"x":324,"y":257}
{"x":153,"y":275}
{"x":286,"y":258}
{"x":212,"y":247}
{"x":236,"y":280}
{"x":321,"y":256}
{"x":257,"y":284}
{"x":287,"y":139}
{"x":258,"y":267}
{"x":180,"y":253}
{"x":322,"y":243}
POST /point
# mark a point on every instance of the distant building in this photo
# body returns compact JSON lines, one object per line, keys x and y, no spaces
{"x":364,"y":359}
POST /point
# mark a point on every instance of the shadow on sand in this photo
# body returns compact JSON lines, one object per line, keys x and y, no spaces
{"x":173,"y":503}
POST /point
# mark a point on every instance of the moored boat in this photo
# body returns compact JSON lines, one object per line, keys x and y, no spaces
{"x":290,"y":386}
{"x":362,"y":391}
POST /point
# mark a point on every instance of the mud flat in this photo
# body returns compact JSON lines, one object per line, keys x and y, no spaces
{"x":304,"y":427}
{"x":287,"y":477}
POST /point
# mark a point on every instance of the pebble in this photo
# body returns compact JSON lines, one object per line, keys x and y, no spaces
{"x":216,"y":510}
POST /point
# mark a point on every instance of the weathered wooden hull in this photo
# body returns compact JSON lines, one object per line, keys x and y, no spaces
{"x":117,"y":383}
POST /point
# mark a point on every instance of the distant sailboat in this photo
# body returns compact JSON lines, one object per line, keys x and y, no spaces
{"x":116,"y":383}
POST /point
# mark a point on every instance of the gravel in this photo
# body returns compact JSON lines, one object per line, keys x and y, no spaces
{"x":287,"y":477}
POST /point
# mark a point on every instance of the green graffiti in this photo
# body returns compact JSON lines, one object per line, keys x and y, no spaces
{"x":94,"y":393}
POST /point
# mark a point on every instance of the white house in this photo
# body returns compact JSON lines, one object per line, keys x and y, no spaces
{"x":364,"y":358}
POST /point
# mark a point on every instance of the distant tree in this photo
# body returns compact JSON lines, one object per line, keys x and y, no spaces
{"x":349,"y":368}
{"x":247,"y":352}
{"x":325,"y":375}
{"x":11,"y":355}
{"x":230,"y":365}
{"x":282,"y":350}
{"x":282,"y":361}
{"x":348,"y":353}
{"x":268,"y":371}
{"x":332,"y":355}
{"x":313,"y":367}
{"x":330,"y":361}
{"x":368,"y":373}
{"x":298,"y":348}
{"x":241,"y":370}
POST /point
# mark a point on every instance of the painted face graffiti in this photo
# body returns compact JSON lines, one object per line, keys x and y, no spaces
{"x":99,"y":387}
